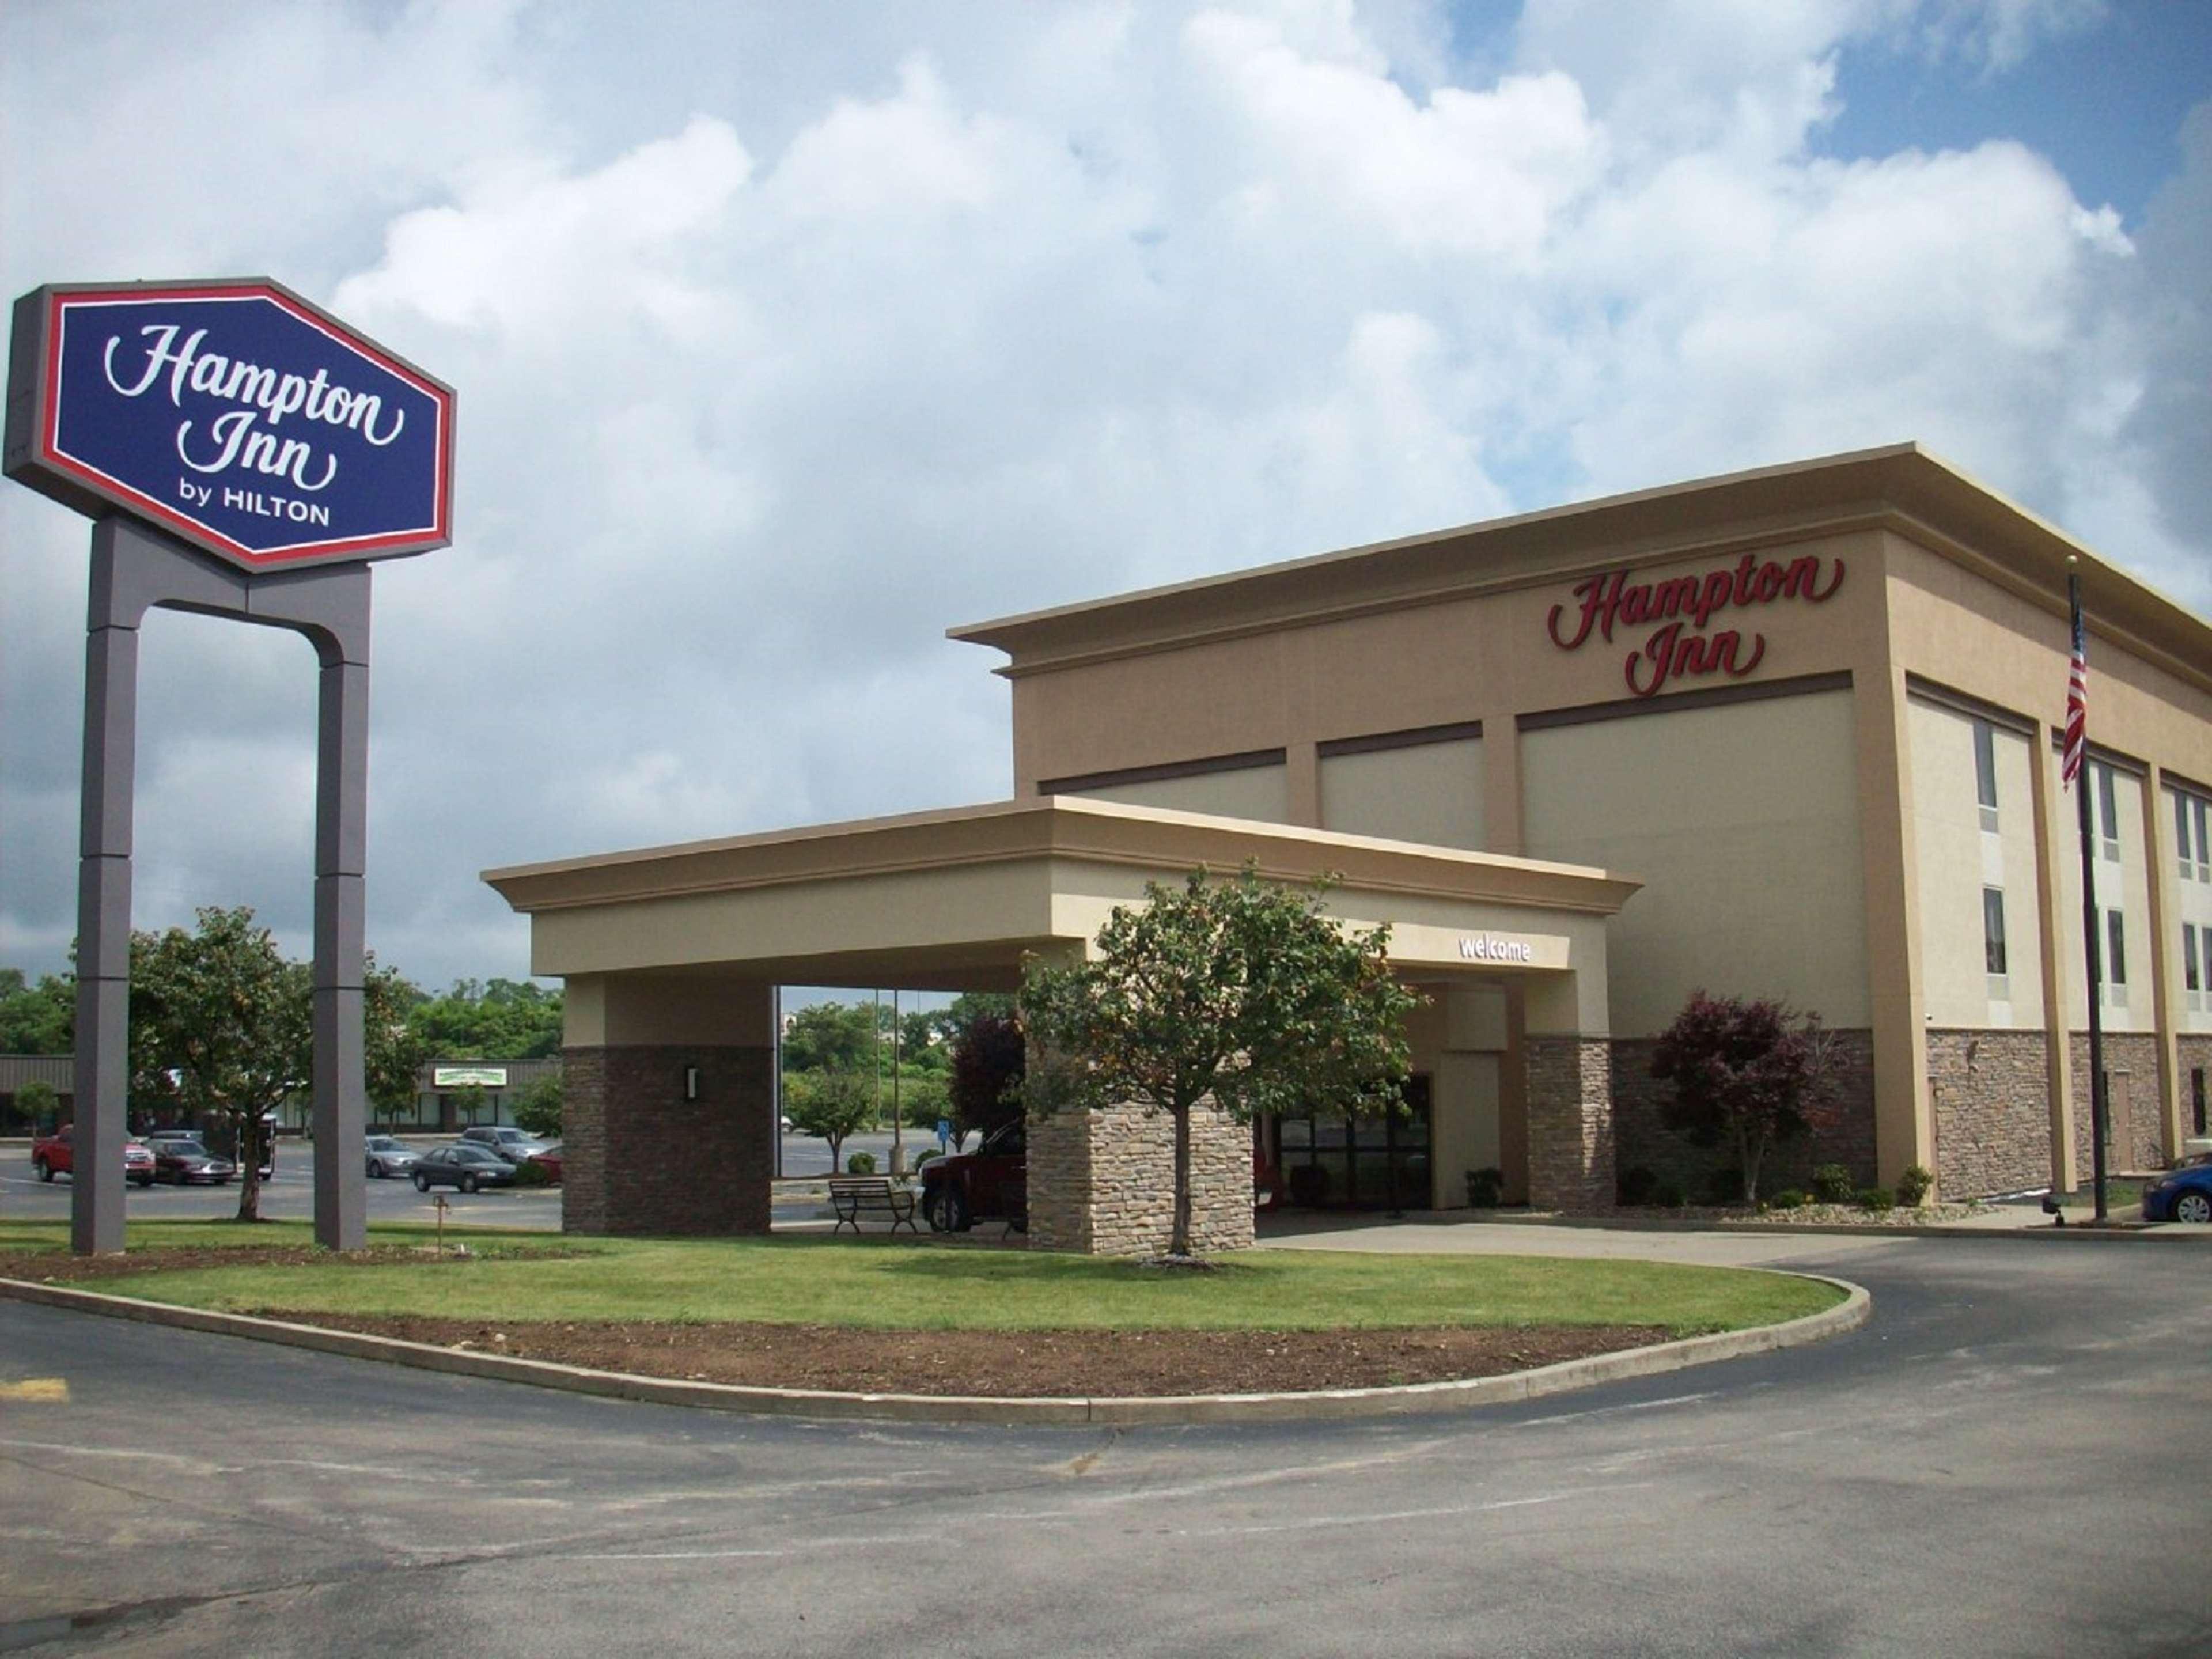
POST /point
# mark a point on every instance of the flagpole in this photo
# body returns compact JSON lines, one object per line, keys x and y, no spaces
{"x":2074,"y":767}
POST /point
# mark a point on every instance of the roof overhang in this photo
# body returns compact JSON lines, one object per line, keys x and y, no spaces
{"x":956,"y":899}
{"x":1900,"y":487}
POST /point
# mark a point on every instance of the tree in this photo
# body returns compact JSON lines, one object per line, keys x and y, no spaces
{"x":1751,"y":1073}
{"x":832,"y":1034}
{"x":37,"y":1019}
{"x":538,"y":1108}
{"x":1241,"y":991}
{"x":833,"y":1102}
{"x":392,"y":1050}
{"x":221,"y":1028}
{"x":498,"y":1019}
{"x":989,"y":1058}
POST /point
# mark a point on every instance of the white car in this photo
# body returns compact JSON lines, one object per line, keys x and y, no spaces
{"x":387,"y":1157}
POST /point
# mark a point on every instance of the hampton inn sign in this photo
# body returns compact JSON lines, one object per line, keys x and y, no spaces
{"x":1672,"y":652}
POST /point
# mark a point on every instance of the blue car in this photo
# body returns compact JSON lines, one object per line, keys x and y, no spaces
{"x":2183,"y":1193}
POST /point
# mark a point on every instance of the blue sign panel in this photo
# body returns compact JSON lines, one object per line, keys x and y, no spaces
{"x":232,"y":414}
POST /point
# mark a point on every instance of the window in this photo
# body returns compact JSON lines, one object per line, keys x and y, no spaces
{"x":2116,"y":959}
{"x":2108,"y":810}
{"x":2204,"y":850}
{"x":1985,"y":773}
{"x":1993,"y":934}
{"x":2196,"y":1096}
{"x":2181,"y":821}
{"x":2192,"y":977}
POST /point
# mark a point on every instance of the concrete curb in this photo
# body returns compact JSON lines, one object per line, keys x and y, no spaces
{"x":2134,"y":1231}
{"x":1852,"y":1312}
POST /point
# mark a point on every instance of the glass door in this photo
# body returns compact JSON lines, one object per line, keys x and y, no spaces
{"x":1380,"y":1163}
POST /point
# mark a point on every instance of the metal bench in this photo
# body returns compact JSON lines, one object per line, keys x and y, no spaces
{"x":853,"y":1196}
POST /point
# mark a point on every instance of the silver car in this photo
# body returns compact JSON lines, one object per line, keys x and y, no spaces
{"x":387,"y":1157}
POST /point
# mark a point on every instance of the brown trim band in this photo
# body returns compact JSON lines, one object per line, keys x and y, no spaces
{"x":1803,"y":685}
{"x":1249,"y":760}
{"x":1414,"y":737}
{"x":1942,"y":697}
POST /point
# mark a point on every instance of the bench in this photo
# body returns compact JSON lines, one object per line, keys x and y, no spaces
{"x":853,"y":1196}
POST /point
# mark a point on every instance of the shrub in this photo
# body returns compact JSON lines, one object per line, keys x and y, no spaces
{"x":860,"y":1164}
{"x":1724,"y":1186}
{"x":1485,"y":1188}
{"x":1913,"y":1186}
{"x":1788,"y":1199}
{"x":1875,"y":1199}
{"x":1667,"y":1194}
{"x":531,"y":1173}
{"x":1635,"y":1184}
{"x":922,"y":1158}
{"x":1832,"y":1184}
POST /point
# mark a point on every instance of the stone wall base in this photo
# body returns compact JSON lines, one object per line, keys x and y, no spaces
{"x":2193,"y":1054}
{"x":1570,"y":1123}
{"x":1103,"y":1183}
{"x":2136,"y":1138}
{"x":638,"y":1157}
{"x":1991,"y":1098}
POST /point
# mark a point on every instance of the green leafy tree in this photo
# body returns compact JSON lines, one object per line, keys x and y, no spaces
{"x":1240,"y":991}
{"x":37,"y":1019}
{"x":832,"y":1034}
{"x":220,"y":1031}
{"x":1751,"y":1074}
{"x":833,"y":1102}
{"x":38,"y":1104}
{"x":538,"y":1108}
{"x":923,"y":1096}
{"x":392,"y":1050}
{"x":496,"y":1019}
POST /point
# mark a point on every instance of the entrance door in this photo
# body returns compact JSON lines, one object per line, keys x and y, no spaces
{"x":1374,"y":1163}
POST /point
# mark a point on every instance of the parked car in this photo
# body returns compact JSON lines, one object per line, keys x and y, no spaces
{"x":56,"y":1154}
{"x":466,"y":1165}
{"x":198,"y":1137}
{"x":505,"y":1139}
{"x":989,"y":1184}
{"x":388,"y":1156}
{"x":186,"y":1161}
{"x":2183,"y":1193}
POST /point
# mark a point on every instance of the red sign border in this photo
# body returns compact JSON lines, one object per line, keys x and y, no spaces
{"x":87,"y":480}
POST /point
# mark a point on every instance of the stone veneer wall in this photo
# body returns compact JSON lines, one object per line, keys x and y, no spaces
{"x":638,"y":1157}
{"x":1103,"y":1183}
{"x":2192,"y":1054}
{"x":1570,"y":1127}
{"x":1991,"y":1097}
{"x":1642,"y":1139}
{"x":2137,"y":1143}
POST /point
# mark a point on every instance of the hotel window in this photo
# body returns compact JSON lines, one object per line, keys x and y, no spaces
{"x":2189,"y":827}
{"x":1985,"y":773}
{"x":2191,"y":975}
{"x":1993,"y":934}
{"x":2116,"y":960}
{"x":2108,"y":811}
{"x":2197,"y":1095}
{"x":2181,"y":819}
{"x":2203,"y":808}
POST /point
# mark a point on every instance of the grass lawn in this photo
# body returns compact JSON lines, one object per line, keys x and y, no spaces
{"x":929,"y":1284}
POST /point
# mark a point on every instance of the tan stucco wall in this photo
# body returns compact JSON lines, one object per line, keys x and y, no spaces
{"x":2121,"y":884}
{"x":1249,"y":792}
{"x":1958,"y":858}
{"x":1742,"y":821}
{"x":2190,"y":902}
{"x":1430,"y":793}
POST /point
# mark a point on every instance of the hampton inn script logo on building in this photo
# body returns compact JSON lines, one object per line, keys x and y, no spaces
{"x":1680,"y":605}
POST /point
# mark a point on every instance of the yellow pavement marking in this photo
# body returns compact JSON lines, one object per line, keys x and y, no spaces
{"x":54,"y":1388}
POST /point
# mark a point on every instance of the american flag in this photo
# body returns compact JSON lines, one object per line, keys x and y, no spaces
{"x":2077,"y":703}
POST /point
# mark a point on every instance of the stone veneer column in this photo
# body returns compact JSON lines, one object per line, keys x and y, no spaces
{"x":1570,"y":1158}
{"x":1103,"y":1183}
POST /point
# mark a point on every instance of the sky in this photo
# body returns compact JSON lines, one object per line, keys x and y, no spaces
{"x":786,"y":335}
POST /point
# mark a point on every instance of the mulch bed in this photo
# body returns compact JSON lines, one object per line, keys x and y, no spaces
{"x":1002,"y":1365}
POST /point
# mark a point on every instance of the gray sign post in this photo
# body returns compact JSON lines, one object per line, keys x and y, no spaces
{"x":135,"y":569}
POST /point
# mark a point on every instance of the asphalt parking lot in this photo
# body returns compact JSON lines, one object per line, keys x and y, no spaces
{"x":2005,"y":1461}
{"x":290,"y":1194}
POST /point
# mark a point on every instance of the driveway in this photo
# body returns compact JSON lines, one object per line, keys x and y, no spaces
{"x":2006,"y":1460}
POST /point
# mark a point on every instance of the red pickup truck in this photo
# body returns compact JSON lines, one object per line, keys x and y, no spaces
{"x":55,"y":1154}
